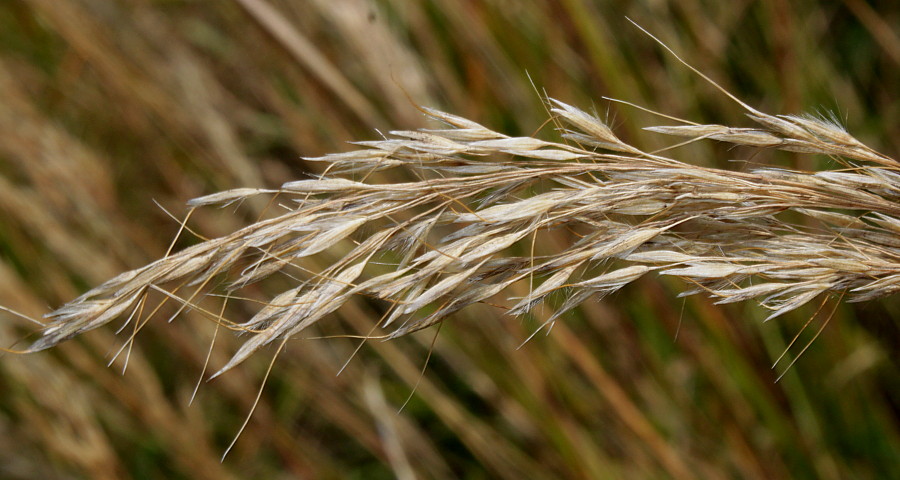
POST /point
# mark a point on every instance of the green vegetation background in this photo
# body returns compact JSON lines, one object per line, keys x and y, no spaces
{"x":106,"y":106}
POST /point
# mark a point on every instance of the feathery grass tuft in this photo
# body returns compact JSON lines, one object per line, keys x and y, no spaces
{"x":461,"y":233}
{"x":108,"y":109}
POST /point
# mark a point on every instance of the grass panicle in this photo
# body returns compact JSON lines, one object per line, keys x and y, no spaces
{"x":112,"y":114}
{"x":459,"y":233}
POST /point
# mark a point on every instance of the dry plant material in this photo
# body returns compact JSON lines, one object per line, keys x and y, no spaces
{"x":465,"y":230}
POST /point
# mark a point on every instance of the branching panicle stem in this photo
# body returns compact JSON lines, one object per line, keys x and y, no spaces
{"x":455,"y":237}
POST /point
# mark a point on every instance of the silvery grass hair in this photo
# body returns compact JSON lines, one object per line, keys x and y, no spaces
{"x":451,"y":238}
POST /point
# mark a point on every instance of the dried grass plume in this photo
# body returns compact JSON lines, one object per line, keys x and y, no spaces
{"x":466,"y":228}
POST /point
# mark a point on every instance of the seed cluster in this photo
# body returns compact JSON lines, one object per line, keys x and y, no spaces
{"x":466,"y":228}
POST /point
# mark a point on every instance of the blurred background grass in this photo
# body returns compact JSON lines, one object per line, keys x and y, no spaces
{"x":106,"y":106}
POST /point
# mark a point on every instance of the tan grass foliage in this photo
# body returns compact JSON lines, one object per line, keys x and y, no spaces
{"x":464,"y":230}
